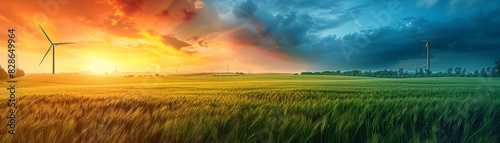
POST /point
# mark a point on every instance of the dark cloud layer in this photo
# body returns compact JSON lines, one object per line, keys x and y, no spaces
{"x":298,"y":29}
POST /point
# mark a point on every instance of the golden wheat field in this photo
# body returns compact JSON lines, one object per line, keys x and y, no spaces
{"x":252,"y":108}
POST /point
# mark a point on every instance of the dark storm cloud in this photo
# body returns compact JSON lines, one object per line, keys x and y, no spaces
{"x":294,"y":28}
{"x":477,"y":32}
{"x":174,"y":42}
{"x":298,"y":28}
{"x":245,"y":10}
{"x":289,"y":29}
{"x":294,"y":32}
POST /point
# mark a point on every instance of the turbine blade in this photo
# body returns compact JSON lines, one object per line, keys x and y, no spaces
{"x":418,"y":38}
{"x":62,"y":43}
{"x":437,"y":35}
{"x":45,"y":55}
{"x":45,"y":34}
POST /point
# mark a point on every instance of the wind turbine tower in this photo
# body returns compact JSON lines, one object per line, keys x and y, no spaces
{"x":427,"y":47}
{"x":116,"y":69}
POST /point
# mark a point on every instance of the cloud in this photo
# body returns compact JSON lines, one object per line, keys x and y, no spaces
{"x":187,"y":16}
{"x":197,"y":39}
{"x":163,"y":13}
{"x":245,"y":10}
{"x":203,"y":43}
{"x":121,"y":26}
{"x":130,"y":7}
{"x":198,"y":4}
{"x":174,"y":42}
{"x":193,"y":38}
{"x":125,"y":7}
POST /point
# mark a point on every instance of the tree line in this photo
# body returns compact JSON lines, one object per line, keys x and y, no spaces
{"x":402,"y":73}
{"x":4,"y":75}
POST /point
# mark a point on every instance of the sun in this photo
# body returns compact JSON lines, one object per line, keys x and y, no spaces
{"x":100,"y":66}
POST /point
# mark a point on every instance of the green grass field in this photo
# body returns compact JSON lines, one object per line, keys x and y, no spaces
{"x":253,"y":108}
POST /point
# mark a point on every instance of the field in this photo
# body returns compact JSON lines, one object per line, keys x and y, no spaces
{"x":253,"y":108}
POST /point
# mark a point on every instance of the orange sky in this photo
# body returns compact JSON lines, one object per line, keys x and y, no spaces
{"x":135,"y":35}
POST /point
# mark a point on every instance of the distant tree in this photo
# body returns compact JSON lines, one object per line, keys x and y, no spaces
{"x":493,"y":72}
{"x":401,"y":72}
{"x":384,"y":73}
{"x":458,"y":71}
{"x":306,"y":73}
{"x":450,"y":71}
{"x":421,"y":72}
{"x":476,"y":73}
{"x":497,"y":67}
{"x":368,"y":73}
{"x":3,"y":73}
{"x":356,"y":72}
{"x":464,"y":72}
{"x":428,"y":72}
{"x":483,"y":73}
{"x":488,"y":71}
{"x":19,"y":73}
{"x":440,"y":74}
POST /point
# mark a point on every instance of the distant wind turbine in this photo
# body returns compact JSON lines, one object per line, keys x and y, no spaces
{"x":53,"y":47}
{"x":116,"y":69}
{"x":427,"y":47}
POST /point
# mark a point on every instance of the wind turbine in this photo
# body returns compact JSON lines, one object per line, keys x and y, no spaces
{"x":427,"y":46}
{"x":53,"y":47}
{"x":116,"y":69}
